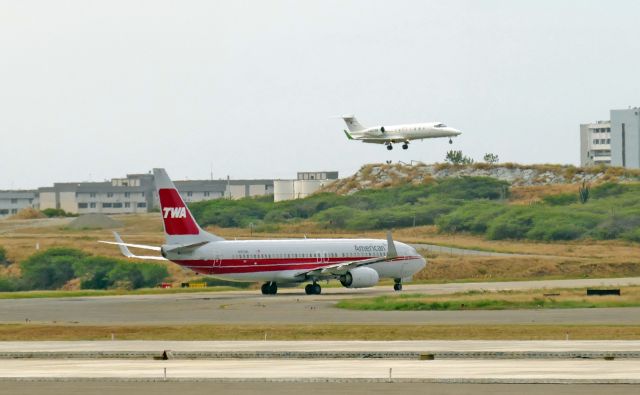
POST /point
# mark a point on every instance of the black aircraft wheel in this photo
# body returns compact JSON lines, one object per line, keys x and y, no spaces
{"x":308,"y":289}
{"x":317,"y":290}
{"x":265,"y":289}
{"x":389,"y":147}
{"x":397,"y":287}
{"x":450,"y":141}
{"x":405,"y":146}
{"x":273,"y":288}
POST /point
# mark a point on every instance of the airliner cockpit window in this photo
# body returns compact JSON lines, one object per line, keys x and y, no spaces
{"x":441,"y":125}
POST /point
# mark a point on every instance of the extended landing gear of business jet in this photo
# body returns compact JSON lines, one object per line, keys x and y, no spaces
{"x":398,"y":284}
{"x":405,"y":145}
{"x":389,"y":146}
{"x":269,"y":288}
{"x":450,"y":141}
{"x":313,"y":289}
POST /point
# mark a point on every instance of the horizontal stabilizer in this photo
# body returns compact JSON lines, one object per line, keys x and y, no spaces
{"x":124,"y":249}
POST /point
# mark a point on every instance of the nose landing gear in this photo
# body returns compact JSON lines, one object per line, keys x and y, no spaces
{"x":450,"y":141}
{"x":397,"y":286}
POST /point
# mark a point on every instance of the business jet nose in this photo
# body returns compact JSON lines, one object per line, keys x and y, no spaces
{"x":454,"y":132}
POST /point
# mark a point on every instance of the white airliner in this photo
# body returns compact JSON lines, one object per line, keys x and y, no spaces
{"x":390,"y":135}
{"x":356,"y":263}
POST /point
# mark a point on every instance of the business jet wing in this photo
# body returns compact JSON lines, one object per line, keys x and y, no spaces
{"x":343,"y":267}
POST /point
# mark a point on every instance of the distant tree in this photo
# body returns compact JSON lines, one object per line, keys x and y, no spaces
{"x":491,"y":158}
{"x":457,"y":158}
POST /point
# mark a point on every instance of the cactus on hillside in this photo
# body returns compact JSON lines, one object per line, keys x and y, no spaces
{"x":583,"y":192}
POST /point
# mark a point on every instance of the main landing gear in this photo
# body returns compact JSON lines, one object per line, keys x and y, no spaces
{"x":398,"y":284}
{"x":405,"y":145}
{"x":313,"y":289}
{"x":450,"y":141}
{"x":389,"y":146}
{"x":269,"y":288}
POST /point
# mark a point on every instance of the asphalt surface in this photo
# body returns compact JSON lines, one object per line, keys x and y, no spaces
{"x":292,"y":306}
{"x":103,"y":387}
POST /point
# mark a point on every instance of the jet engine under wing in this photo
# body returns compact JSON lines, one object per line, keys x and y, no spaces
{"x":343,"y":267}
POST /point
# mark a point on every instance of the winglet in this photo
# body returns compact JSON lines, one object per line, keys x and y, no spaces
{"x":391,"y":247}
{"x":349,"y":136}
{"x":123,"y":248}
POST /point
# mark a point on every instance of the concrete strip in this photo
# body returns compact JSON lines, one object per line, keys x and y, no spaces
{"x":322,"y":349}
{"x":326,"y":346}
{"x":488,"y":371}
{"x":318,"y":355}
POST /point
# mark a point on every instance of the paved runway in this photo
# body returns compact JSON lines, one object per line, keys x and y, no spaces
{"x":531,"y":371}
{"x":109,"y":387}
{"x":329,"y":346}
{"x":292,"y":306}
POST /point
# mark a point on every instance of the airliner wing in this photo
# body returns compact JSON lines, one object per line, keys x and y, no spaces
{"x":343,"y":267}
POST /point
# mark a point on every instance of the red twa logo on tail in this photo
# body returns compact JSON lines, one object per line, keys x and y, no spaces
{"x":177,"y":219}
{"x":174,"y":212}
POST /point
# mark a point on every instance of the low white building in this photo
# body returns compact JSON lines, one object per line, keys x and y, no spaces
{"x":595,"y":143}
{"x":306,"y":184}
{"x":136,"y":193}
{"x":13,"y":201}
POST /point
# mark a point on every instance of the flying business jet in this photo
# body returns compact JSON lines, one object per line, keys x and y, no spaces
{"x":356,"y":263}
{"x":390,"y":135}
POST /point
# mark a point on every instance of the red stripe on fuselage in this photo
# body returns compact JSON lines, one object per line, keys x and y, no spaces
{"x":232,"y":266}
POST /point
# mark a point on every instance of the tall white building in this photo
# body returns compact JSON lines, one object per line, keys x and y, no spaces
{"x":615,"y":142}
{"x":625,"y":137}
{"x":595,"y":143}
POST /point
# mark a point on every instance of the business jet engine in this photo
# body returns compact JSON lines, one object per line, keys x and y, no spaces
{"x":360,"y":277}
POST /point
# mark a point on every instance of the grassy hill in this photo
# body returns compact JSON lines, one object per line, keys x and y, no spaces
{"x":476,"y":205}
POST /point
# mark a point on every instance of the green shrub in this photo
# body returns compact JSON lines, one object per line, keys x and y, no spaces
{"x":632,"y":235}
{"x":473,"y":217}
{"x":615,"y":227}
{"x":562,"y":199}
{"x":3,"y":257}
{"x":50,"y":269}
{"x":608,"y":189}
{"x":513,"y":224}
{"x":55,"y":212}
{"x":8,"y":284}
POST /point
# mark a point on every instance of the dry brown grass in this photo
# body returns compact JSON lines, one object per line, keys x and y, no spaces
{"x":32,"y":332}
{"x":569,"y":259}
{"x":27,"y":213}
{"x":524,"y":195}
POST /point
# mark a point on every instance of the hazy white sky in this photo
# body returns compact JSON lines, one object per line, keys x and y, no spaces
{"x":95,"y":89}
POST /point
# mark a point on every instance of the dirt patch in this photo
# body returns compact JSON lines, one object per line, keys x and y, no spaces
{"x":94,"y":221}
